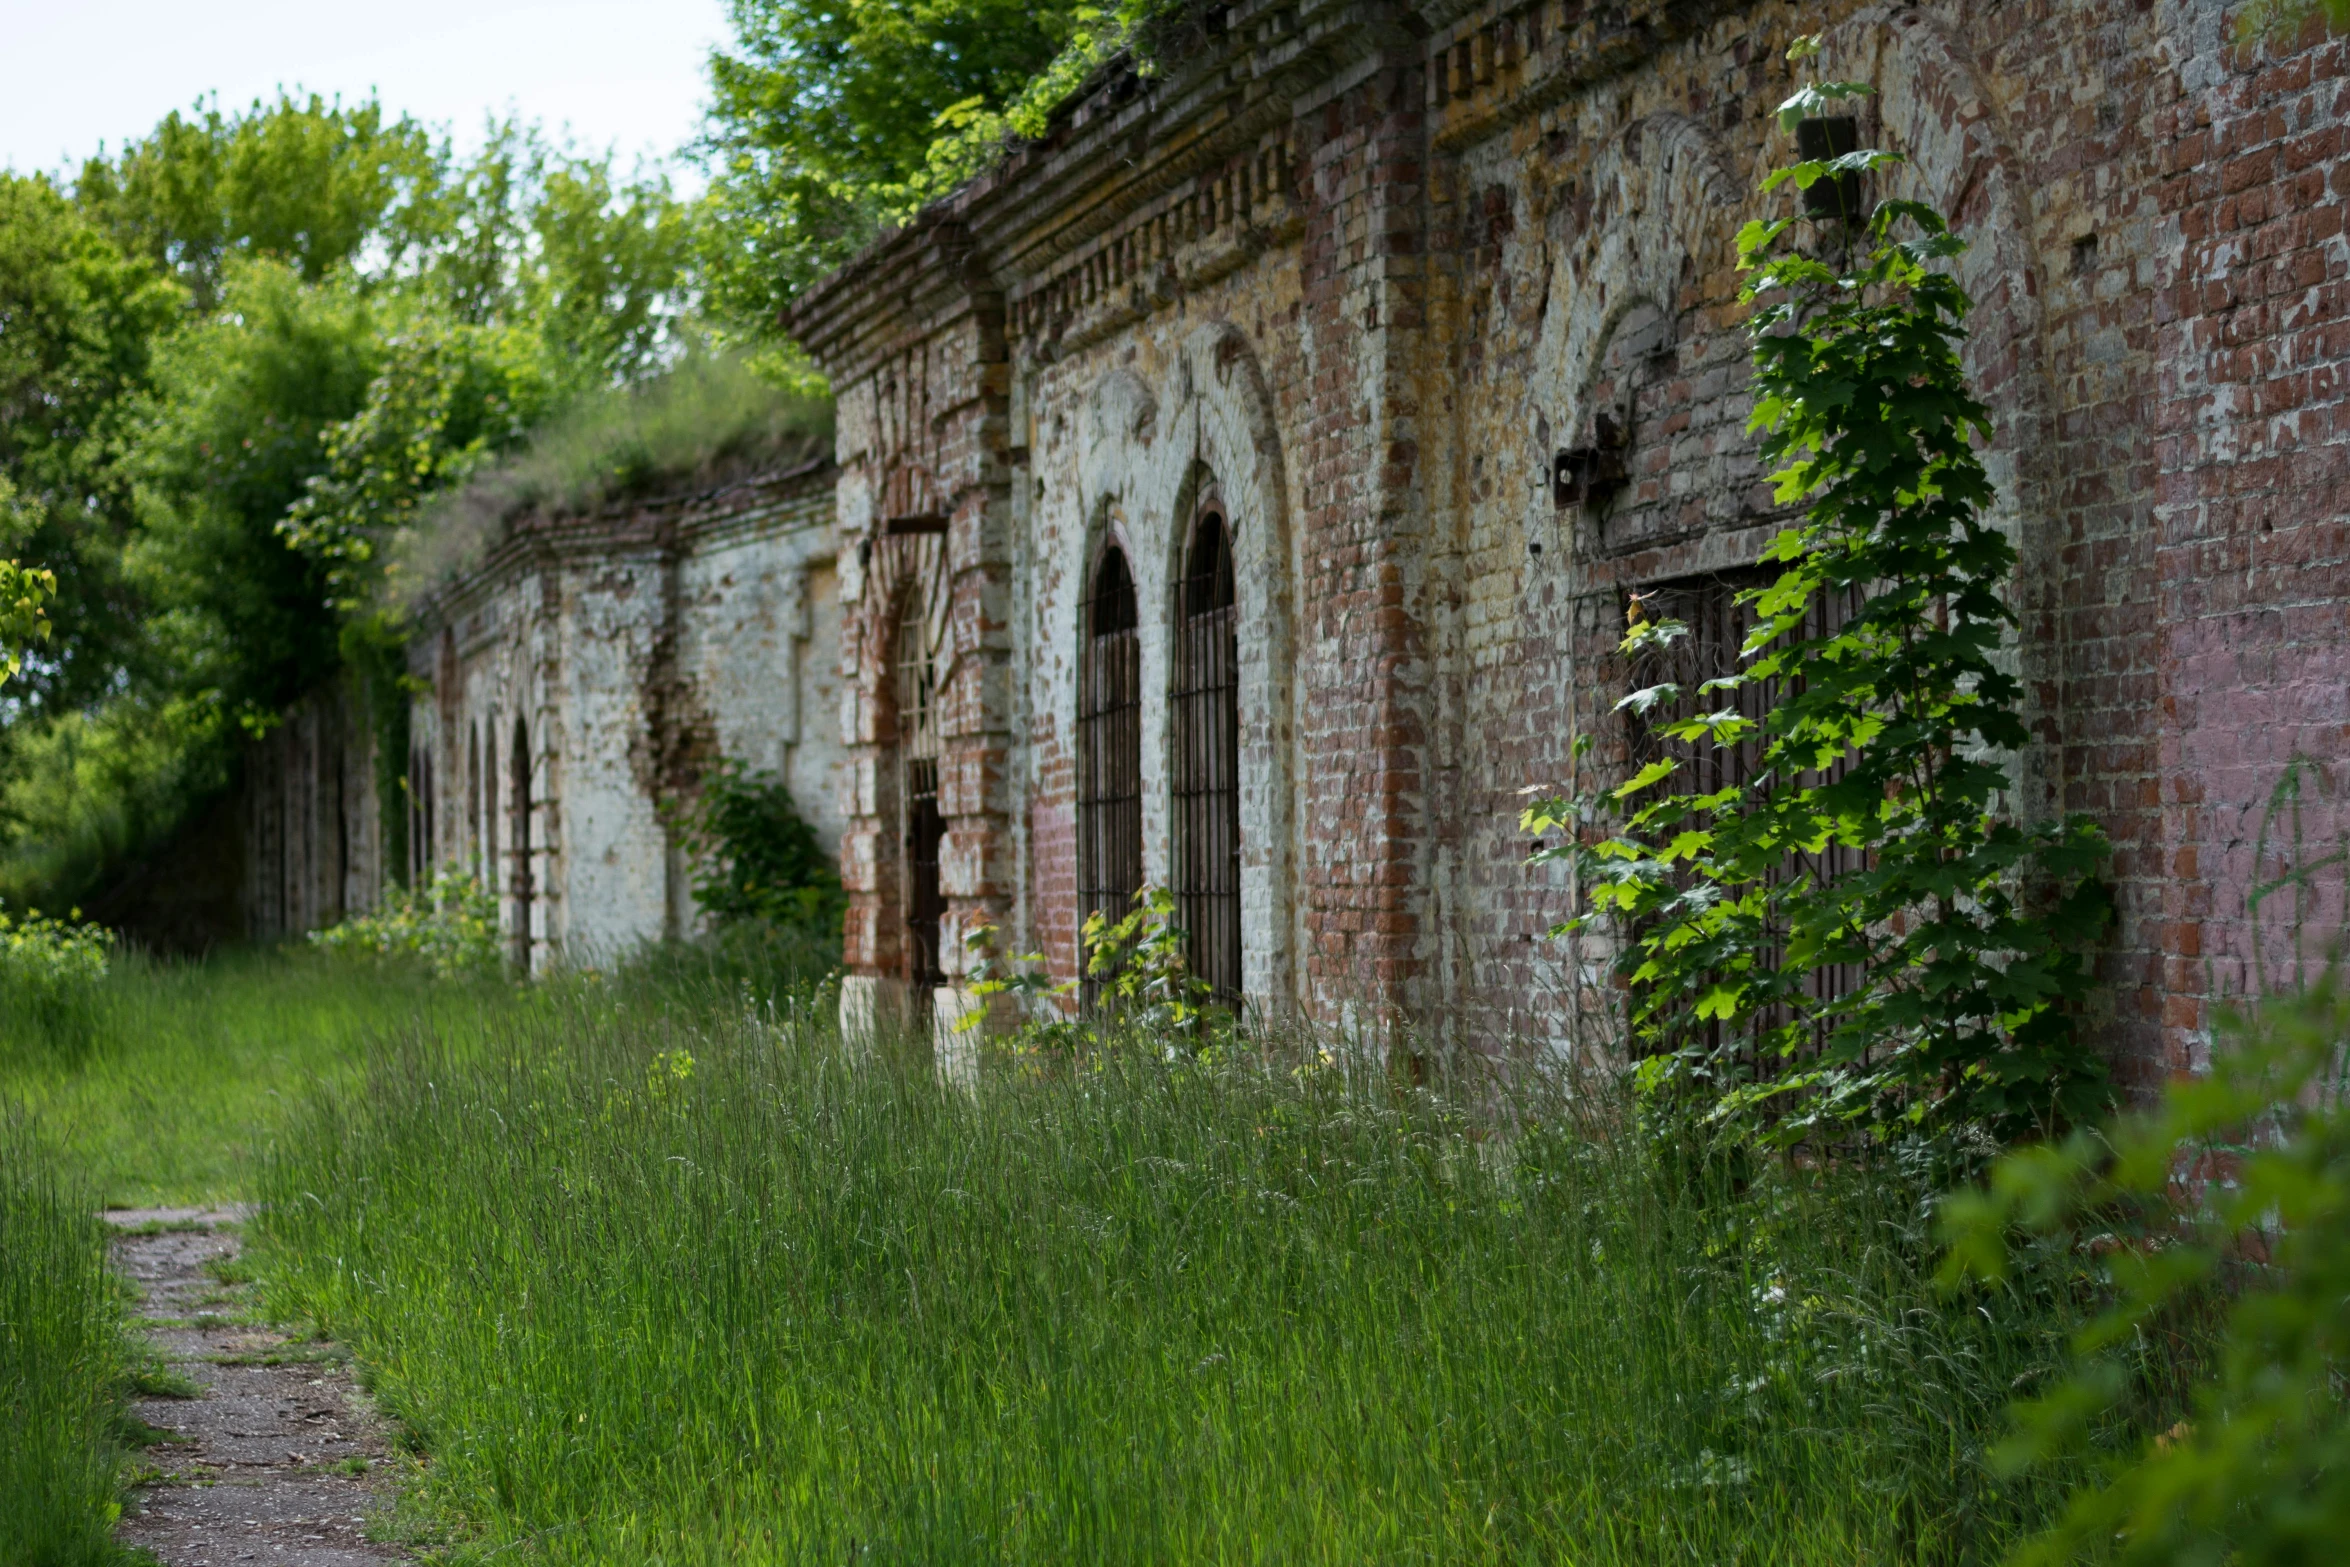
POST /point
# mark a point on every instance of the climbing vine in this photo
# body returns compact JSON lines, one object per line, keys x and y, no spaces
{"x":1927,"y":977}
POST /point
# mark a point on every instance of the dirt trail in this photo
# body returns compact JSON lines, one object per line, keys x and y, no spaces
{"x":281,"y":1460}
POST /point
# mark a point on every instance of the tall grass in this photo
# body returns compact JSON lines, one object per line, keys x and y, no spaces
{"x":179,"y":1073}
{"x":62,"y":1366}
{"x":653,"y":1290}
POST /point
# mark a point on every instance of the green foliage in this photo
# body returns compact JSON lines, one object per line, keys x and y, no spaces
{"x":785,"y":1304}
{"x":228,"y":443}
{"x":1965,"y":926}
{"x":450,"y":926}
{"x":2232,"y":1196}
{"x":757,"y":859}
{"x":23,"y":592}
{"x":80,"y":320}
{"x":1138,"y":975}
{"x":64,"y":1364}
{"x":304,"y":181}
{"x":216,"y":489}
{"x":449,"y":396}
{"x":50,"y":970}
{"x":830,"y":122}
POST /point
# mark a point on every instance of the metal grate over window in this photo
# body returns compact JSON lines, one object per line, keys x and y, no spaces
{"x":522,"y":887}
{"x":1205,"y":707}
{"x":1718,"y":627}
{"x":1109,"y":745}
{"x":925,"y":827}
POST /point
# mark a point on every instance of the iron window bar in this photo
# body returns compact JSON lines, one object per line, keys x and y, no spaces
{"x":1109,"y":749}
{"x":924,"y":825}
{"x":1205,"y":708}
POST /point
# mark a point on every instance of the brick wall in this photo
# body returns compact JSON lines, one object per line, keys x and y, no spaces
{"x":1378,"y":264}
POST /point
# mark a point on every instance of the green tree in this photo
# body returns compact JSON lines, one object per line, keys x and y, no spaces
{"x":304,"y":180}
{"x":228,"y":443}
{"x":78,"y":321}
{"x":1963,"y":928}
{"x":825,"y":114}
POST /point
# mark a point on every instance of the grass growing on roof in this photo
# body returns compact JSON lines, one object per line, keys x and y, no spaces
{"x":708,"y":419}
{"x":655,"y":1288}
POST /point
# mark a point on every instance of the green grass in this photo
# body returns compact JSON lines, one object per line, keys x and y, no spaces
{"x":63,"y":1365}
{"x":188,"y":1068}
{"x":791,"y":1304}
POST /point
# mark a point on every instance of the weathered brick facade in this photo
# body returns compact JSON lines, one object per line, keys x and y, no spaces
{"x":1360,"y":271}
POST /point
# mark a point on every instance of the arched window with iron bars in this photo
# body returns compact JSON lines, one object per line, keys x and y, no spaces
{"x":918,"y":756}
{"x":1204,"y":703}
{"x":1109,"y":744}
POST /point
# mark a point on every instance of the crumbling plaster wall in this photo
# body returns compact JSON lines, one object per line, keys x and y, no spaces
{"x":636,"y":649}
{"x":1428,"y":244}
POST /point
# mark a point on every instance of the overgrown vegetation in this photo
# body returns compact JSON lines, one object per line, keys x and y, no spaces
{"x":645,"y":1287}
{"x":449,"y":927}
{"x":50,"y":972}
{"x":1859,"y":935}
{"x":63,"y":1365}
{"x":2231,"y":1199}
{"x":707,"y":419}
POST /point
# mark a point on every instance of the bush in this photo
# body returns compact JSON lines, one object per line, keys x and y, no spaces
{"x":450,"y":925}
{"x":760,"y":862}
{"x":2231,"y":1199}
{"x":50,"y":970}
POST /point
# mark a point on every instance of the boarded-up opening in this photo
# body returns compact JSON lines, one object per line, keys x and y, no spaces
{"x":1109,"y":745}
{"x":1205,"y":707}
{"x":924,"y":827}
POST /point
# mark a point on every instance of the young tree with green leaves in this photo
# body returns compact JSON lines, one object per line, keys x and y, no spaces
{"x":831,"y":122}
{"x":1883,"y":736}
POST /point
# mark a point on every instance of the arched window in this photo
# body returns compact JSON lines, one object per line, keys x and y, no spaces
{"x":518,"y":803}
{"x":1109,"y":744}
{"x":490,"y":863}
{"x":1205,"y":707}
{"x":925,"y":827}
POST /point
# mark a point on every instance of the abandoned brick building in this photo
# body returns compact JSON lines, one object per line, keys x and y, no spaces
{"x":1205,"y":515}
{"x":1240,"y":490}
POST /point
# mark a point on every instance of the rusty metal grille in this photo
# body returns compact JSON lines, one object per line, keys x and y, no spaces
{"x":1718,"y":628}
{"x":1109,"y":746}
{"x":924,"y":827}
{"x":1205,"y":706}
{"x":522,"y":888}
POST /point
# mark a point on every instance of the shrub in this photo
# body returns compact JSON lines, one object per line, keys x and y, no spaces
{"x":50,"y":970}
{"x":760,"y":862}
{"x":2231,"y":1197}
{"x":451,"y":926}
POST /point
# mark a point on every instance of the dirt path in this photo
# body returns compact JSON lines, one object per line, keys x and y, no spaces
{"x":281,"y":1460}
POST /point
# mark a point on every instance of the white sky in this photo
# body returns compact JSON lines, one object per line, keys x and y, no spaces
{"x":74,"y":73}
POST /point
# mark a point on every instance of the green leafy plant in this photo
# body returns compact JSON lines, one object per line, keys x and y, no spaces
{"x":1963,"y":929}
{"x":50,"y":970}
{"x":1142,"y":986}
{"x":760,"y":861}
{"x":2281,"y":21}
{"x":2231,"y":1196}
{"x":23,"y":591}
{"x":450,"y":925}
